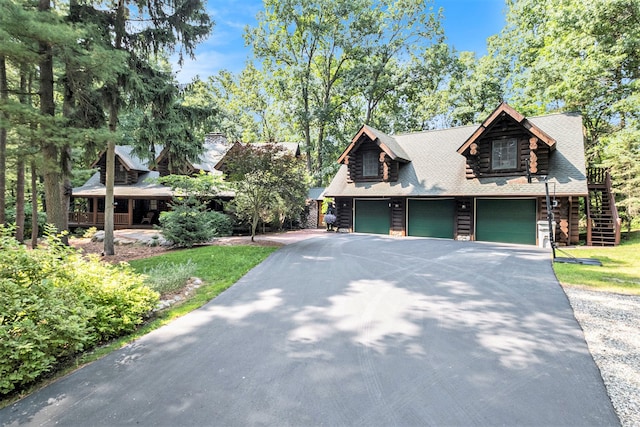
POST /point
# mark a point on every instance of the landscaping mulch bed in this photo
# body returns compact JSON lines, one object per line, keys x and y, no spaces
{"x":128,"y":252}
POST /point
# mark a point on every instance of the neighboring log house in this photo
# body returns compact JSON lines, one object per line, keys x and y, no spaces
{"x":483,"y":183}
{"x":138,"y":198}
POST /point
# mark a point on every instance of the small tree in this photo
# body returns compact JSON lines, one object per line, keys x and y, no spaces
{"x":191,"y":221}
{"x":270,"y":183}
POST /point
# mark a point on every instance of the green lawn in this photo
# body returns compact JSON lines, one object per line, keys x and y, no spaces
{"x":218,"y":266}
{"x":620,"y":270}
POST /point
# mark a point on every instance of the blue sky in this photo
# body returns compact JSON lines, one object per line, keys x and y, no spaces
{"x":467,"y":25}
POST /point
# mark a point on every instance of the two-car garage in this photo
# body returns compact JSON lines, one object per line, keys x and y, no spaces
{"x":496,"y":220}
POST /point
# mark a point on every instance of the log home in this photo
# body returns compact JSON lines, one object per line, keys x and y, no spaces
{"x":484,"y":183}
{"x":138,"y":199}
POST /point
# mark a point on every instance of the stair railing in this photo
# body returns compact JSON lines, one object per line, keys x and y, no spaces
{"x":614,"y":210}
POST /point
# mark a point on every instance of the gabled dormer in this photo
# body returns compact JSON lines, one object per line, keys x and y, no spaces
{"x":373,"y":156}
{"x":507,"y":144}
{"x":128,"y":167}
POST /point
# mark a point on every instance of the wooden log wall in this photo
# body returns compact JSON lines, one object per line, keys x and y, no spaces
{"x":344,"y":213}
{"x":464,"y":218}
{"x":479,"y":154}
{"x":387,"y":168}
{"x":566,"y":215}
{"x":398,"y":216}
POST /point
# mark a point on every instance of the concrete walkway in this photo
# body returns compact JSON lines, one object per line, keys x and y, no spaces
{"x":353,"y":330}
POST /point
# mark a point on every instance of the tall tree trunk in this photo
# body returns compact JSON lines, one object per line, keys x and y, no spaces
{"x":34,"y":205}
{"x":20,"y":200}
{"x":114,"y":105}
{"x":50,"y":152}
{"x":25,"y":88}
{"x":4,"y":96}
{"x":109,"y":183}
{"x":319,"y":154}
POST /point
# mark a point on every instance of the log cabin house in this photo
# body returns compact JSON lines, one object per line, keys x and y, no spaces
{"x":138,"y":200}
{"x":484,"y":183}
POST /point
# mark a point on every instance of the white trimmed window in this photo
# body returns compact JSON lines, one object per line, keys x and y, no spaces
{"x":369,"y":164}
{"x":504,"y":154}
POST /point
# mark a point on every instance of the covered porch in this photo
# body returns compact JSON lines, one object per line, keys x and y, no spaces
{"x":129,"y":212}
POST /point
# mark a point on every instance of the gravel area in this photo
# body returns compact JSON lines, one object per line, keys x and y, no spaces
{"x":611,"y":325}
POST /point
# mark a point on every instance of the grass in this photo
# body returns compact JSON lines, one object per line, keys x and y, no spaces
{"x":619,"y":273}
{"x":169,"y":277}
{"x":218,"y":266}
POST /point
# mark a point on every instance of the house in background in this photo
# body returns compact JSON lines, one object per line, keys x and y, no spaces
{"x":484,"y":183}
{"x":138,"y":200}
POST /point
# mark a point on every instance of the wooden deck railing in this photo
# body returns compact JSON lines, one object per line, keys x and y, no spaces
{"x":614,"y":210}
{"x":87,"y":218}
{"x":597,"y":175}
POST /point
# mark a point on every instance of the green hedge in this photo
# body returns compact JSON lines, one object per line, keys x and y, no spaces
{"x":55,"y":303}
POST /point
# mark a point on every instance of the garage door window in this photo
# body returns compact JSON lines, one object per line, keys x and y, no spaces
{"x":504,"y":154}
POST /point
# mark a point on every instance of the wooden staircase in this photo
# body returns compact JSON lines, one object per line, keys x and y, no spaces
{"x":603,"y":223}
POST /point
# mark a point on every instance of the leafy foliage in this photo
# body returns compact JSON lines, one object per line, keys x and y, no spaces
{"x":186,"y":225}
{"x":271,"y":184}
{"x":54,"y":303}
{"x":190,"y":220}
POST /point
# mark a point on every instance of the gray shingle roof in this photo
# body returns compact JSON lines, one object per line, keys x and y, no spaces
{"x":438,"y":170}
{"x":397,"y":152}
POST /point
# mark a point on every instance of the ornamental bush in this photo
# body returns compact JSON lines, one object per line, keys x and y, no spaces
{"x":187,"y":225}
{"x":55,"y":303}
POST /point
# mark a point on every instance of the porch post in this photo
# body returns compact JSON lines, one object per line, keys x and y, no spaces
{"x":130,"y":206}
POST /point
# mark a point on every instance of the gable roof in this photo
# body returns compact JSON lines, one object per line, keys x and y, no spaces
{"x":503,"y":110}
{"x":128,"y":159}
{"x":387,"y":143}
{"x":215,"y":147}
{"x":438,"y":170}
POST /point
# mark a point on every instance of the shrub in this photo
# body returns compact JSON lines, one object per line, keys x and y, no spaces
{"x":221,"y":224}
{"x":187,"y":225}
{"x":91,"y":231}
{"x":54,"y":303}
{"x":169,"y":276}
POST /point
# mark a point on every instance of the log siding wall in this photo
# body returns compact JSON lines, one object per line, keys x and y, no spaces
{"x":131,"y":176}
{"x":566,"y":217}
{"x":479,"y":154}
{"x":387,"y":168}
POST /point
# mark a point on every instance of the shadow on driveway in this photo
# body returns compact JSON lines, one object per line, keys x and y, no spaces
{"x":354,"y":330}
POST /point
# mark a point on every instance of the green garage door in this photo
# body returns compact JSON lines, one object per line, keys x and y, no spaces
{"x":372,"y":216}
{"x":431,"y":218}
{"x":507,"y":221}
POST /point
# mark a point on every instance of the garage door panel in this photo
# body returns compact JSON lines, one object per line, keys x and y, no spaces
{"x":372,"y":216}
{"x":431,"y":218}
{"x":506,"y":221}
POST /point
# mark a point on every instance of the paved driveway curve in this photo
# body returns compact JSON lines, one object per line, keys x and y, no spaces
{"x":353,"y":330}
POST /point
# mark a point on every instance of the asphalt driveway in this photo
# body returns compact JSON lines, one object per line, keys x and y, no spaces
{"x":353,"y":330}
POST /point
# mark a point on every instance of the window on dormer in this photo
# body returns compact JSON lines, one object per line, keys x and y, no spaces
{"x":504,"y":154}
{"x":369,"y":164}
